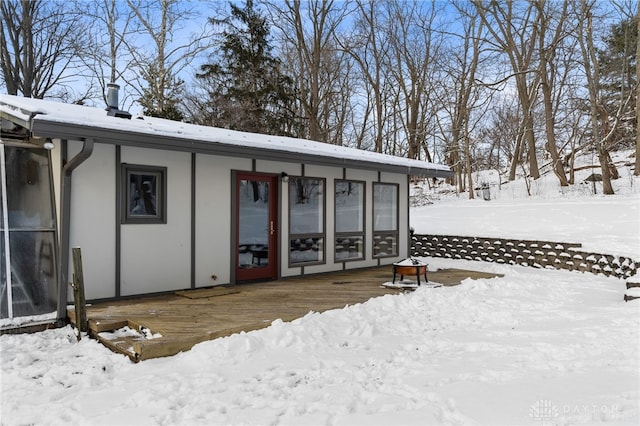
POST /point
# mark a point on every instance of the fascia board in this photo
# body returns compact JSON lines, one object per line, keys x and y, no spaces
{"x":17,"y":118}
{"x":52,"y":129}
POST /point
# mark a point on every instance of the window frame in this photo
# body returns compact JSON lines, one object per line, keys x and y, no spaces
{"x":385,"y":233}
{"x":350,"y":234}
{"x":127,"y":170}
{"x":318,"y":236}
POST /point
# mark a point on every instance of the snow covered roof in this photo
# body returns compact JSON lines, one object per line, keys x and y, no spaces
{"x":46,"y":119}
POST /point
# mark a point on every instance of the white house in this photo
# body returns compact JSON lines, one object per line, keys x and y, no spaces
{"x":159,"y":205}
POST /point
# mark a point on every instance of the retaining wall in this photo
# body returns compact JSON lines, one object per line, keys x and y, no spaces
{"x":538,"y":254}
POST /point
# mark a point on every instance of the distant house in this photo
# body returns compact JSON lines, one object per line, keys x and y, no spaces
{"x":159,"y":205}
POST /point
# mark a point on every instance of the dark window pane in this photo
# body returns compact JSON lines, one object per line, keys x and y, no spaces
{"x":33,"y":274}
{"x":306,"y":205}
{"x":143,"y":194}
{"x":349,"y":206}
{"x":306,"y":250}
{"x":385,"y":207}
{"x":385,"y":245}
{"x":29,"y":201}
{"x":351,"y":247}
{"x":253,"y":245}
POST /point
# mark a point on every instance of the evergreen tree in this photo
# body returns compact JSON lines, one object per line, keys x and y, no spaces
{"x":618,"y":79}
{"x":167,"y":105}
{"x":246,"y":88}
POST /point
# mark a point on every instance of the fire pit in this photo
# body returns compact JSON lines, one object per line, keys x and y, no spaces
{"x":410,"y":267}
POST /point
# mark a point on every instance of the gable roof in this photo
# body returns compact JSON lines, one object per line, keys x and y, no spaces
{"x":46,"y":119}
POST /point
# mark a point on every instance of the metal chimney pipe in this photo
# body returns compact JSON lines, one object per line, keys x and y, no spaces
{"x":112,"y":96}
{"x":112,"y":102}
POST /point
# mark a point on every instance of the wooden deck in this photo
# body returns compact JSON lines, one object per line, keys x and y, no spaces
{"x":168,"y":324}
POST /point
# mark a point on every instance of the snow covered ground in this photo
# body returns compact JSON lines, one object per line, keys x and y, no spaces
{"x":534,"y":347}
{"x":603,"y":224}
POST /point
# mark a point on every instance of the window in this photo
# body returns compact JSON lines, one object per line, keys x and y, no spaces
{"x":144,"y":194}
{"x":349,"y":210}
{"x":385,"y":220}
{"x":28,"y":249}
{"x":306,"y":221}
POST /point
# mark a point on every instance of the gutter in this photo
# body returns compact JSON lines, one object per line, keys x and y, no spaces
{"x":65,"y":228}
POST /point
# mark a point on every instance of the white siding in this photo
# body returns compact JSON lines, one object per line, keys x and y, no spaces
{"x":93,"y":224}
{"x":157,"y":257}
{"x":213,"y":217}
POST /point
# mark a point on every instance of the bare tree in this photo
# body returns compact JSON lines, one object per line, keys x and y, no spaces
{"x":107,"y":55}
{"x":308,"y":31}
{"x":414,"y":44}
{"x":514,"y":27}
{"x":161,"y":25}
{"x":603,"y":125}
{"x":462,"y":63}
{"x":39,"y":42}
{"x":549,"y":17}
{"x":637,"y":166}
{"x":368,"y":48}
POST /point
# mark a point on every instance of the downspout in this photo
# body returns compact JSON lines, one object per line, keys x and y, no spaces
{"x":65,"y":222}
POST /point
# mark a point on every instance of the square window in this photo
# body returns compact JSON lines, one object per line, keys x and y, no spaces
{"x":144,"y":192}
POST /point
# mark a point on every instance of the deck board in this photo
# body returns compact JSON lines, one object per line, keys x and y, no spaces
{"x":185,"y":321}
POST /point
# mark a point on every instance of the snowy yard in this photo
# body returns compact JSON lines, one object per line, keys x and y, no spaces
{"x":535,"y":347}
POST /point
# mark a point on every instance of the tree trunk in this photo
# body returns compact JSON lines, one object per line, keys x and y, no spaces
{"x":527,"y":122}
{"x":637,"y":169}
{"x":516,"y":159}
{"x":605,"y":162}
{"x":467,"y":155}
{"x":547,"y":55}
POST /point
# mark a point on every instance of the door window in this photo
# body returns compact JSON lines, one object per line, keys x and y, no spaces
{"x":256,"y":227}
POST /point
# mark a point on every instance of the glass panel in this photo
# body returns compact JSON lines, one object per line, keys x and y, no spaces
{"x":385,"y":207}
{"x":29,"y":199}
{"x":253,"y":243}
{"x":143,"y":193}
{"x":305,"y":250}
{"x":31,"y":235}
{"x":306,"y":205}
{"x":349,"y":206}
{"x":3,"y":254}
{"x":351,"y":247}
{"x":33,"y":273}
{"x":385,"y":245}
{"x":4,"y":312}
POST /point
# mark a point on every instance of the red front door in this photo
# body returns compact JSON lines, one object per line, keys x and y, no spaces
{"x":256,"y":198}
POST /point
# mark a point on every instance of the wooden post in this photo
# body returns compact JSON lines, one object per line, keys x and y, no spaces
{"x":78,"y":292}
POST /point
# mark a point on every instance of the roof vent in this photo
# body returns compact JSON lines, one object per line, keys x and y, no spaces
{"x":112,"y":102}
